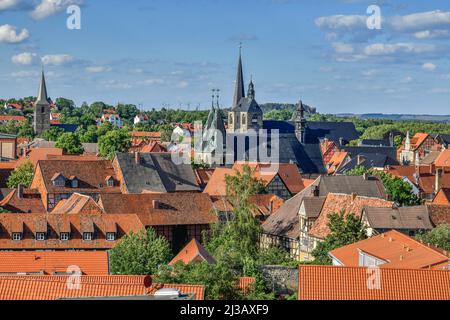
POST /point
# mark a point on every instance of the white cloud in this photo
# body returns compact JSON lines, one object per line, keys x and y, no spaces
{"x":10,"y":34}
{"x":8,"y":4}
{"x":407,"y":79}
{"x":182,"y":84}
{"x":429,"y":66}
{"x":432,"y":34}
{"x":382,"y":49}
{"x":341,"y":22}
{"x":439,"y":90}
{"x":25,"y":58}
{"x":24,"y":74}
{"x":421,"y":21}
{"x":344,"y":48}
{"x":50,"y":7}
{"x":154,"y":81}
{"x":369,"y":73}
{"x":57,"y":59}
{"x":98,"y":69}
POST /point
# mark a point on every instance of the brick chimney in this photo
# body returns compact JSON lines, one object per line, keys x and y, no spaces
{"x":315,"y":191}
{"x":137,"y":157}
{"x":155,"y":204}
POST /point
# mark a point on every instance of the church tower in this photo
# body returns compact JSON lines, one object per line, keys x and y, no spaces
{"x":239,"y":93}
{"x":300,"y":123}
{"x":41,"y":120}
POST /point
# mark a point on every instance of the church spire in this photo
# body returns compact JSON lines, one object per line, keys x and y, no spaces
{"x":239,"y":92}
{"x":251,"y":90}
{"x":42,"y":94}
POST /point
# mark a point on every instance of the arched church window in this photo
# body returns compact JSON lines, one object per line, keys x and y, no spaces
{"x":243,"y":119}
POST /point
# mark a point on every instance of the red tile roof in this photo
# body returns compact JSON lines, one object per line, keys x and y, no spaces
{"x":442,"y":197}
{"x":351,"y":283}
{"x":336,"y":203}
{"x":12,"y":118}
{"x":203,"y":176}
{"x":57,"y":287}
{"x":55,"y":224}
{"x":78,"y":204}
{"x":30,"y":202}
{"x":245,"y":283}
{"x":443,"y":160}
{"x":193,"y":252}
{"x":439,"y":214}
{"x":396,"y":249}
{"x":51,"y":262}
{"x":146,"y":134}
{"x":182,"y":208}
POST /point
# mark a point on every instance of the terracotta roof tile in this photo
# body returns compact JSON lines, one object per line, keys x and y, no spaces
{"x":396,"y":249}
{"x":56,"y":287}
{"x":182,"y":208}
{"x":193,"y":252}
{"x":51,"y":262}
{"x":336,"y":203}
{"x":439,"y":214}
{"x":30,"y":202}
{"x":350,"y":283}
{"x":78,"y":204}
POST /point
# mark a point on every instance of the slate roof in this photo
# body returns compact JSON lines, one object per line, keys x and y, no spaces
{"x":390,"y":152}
{"x":350,"y":283}
{"x":368,"y":161}
{"x":155,"y":172}
{"x":414,"y":218}
{"x":313,"y":206}
{"x":375,"y":143}
{"x":248,"y":104}
{"x":317,"y":130}
{"x":370,"y":187}
{"x":396,"y":249}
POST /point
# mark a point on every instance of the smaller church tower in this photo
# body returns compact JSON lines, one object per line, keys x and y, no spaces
{"x":41,"y":120}
{"x":300,"y":123}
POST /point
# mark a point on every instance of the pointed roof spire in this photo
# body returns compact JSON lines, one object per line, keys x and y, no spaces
{"x":239,"y":92}
{"x":42,"y":94}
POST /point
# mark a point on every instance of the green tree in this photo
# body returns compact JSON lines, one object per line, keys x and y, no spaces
{"x":438,"y":237}
{"x":63,"y":103}
{"x":139,"y":253}
{"x":113,"y":142}
{"x":23,"y":175}
{"x":344,"y":230}
{"x":398,"y":190}
{"x":70,"y":143}
{"x":52,"y":134}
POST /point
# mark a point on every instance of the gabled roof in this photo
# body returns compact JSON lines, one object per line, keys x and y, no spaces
{"x":78,"y":204}
{"x":91,"y":175}
{"x":443,"y":160}
{"x":360,"y":185}
{"x":396,"y":249}
{"x":183,"y":208}
{"x":55,"y":287}
{"x":75,"y":224}
{"x":375,"y":143}
{"x":313,"y":206}
{"x":368,"y":161}
{"x":53,"y":262}
{"x":285,"y":222}
{"x":288,"y":173}
{"x":155,"y":172}
{"x":30,"y":202}
{"x":193,"y":252}
{"x":350,"y":283}
{"x":424,"y":177}
{"x":337,"y":203}
{"x":413,"y":218}
{"x":265,"y":204}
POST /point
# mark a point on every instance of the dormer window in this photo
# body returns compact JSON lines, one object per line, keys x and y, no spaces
{"x":109,"y":181}
{"x":64,"y":236}
{"x":88,"y":236}
{"x":17,"y":236}
{"x":40,"y":236}
{"x":59,"y":180}
{"x":110,"y":236}
{"x":74,"y":182}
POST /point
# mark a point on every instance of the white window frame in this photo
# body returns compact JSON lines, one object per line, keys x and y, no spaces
{"x":40,"y":236}
{"x":64,"y":236}
{"x":15,"y":238}
{"x":110,"y":236}
{"x":87,"y":236}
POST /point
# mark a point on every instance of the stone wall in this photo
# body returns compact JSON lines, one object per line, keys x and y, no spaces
{"x":282,"y":280}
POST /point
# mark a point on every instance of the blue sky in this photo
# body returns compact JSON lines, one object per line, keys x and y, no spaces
{"x":167,"y":52}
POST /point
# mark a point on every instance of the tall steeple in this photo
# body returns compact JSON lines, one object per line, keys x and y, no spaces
{"x":239,"y":92}
{"x":42,"y":94}
{"x":41,"y":121}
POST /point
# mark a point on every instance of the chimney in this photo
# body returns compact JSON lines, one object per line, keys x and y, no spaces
{"x":271,"y":207}
{"x":432,"y":168}
{"x":354,"y":195}
{"x":341,"y":141}
{"x":316,"y":191}
{"x":391,"y":139}
{"x":359,"y":159}
{"x":366,"y":176}
{"x":155,"y":204}
{"x":438,"y":180}
{"x":137,"y":157}
{"x":20,"y":191}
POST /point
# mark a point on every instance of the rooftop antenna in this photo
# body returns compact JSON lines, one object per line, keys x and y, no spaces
{"x":217,"y":97}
